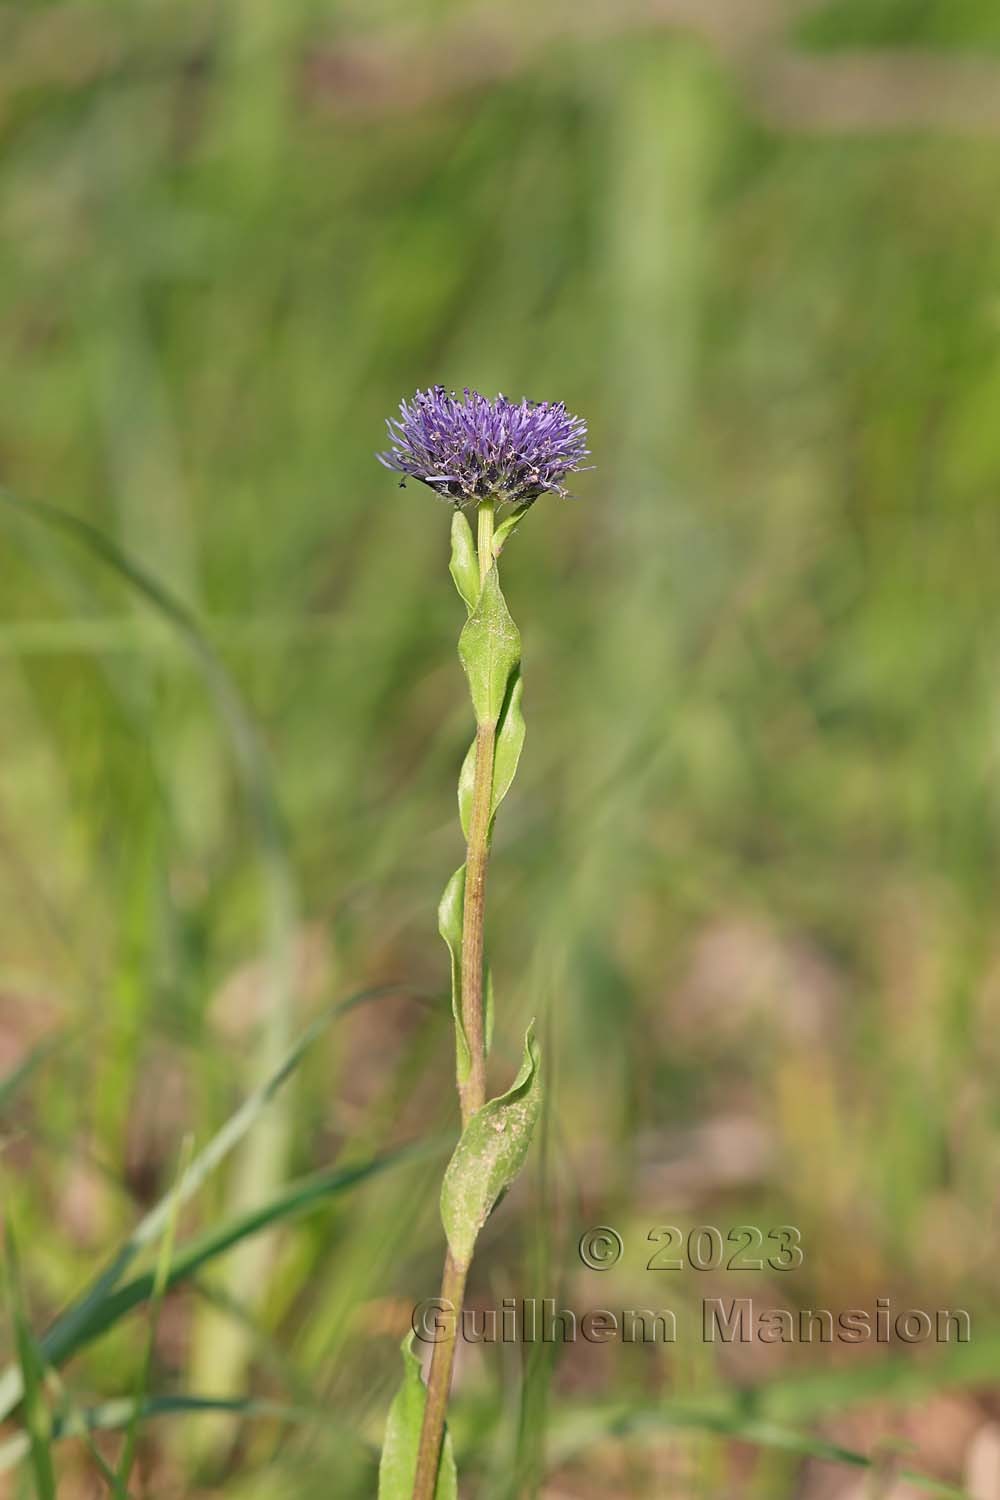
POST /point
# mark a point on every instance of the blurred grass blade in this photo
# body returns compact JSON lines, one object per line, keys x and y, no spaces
{"x":61,"y":1342}
{"x":36,"y":1414}
{"x":242,"y":734}
{"x":43,"y":1426}
{"x":20,"y":1074}
{"x":114,"y":1415}
{"x":572,"y":1433}
{"x":65,"y":1417}
{"x":65,"y":1332}
{"x":259,"y":1173}
{"x":160,"y":1280}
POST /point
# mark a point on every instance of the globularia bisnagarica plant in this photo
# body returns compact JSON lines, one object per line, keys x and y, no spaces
{"x":490,"y":459}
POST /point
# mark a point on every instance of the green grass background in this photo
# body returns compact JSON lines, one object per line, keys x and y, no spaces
{"x":748,"y":876}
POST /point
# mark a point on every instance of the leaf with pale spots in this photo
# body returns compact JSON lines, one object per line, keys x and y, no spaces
{"x":490,"y":649}
{"x":398,"y":1467}
{"x":490,"y":1154}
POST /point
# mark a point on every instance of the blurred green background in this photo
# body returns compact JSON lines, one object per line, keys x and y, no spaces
{"x":748,"y":876}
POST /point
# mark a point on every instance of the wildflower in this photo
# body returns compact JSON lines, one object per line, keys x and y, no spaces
{"x":469,"y":448}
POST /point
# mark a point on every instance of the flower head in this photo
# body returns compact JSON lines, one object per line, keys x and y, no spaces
{"x":469,"y":448}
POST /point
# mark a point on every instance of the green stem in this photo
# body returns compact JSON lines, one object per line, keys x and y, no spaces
{"x":484,"y":538}
{"x":473,"y":1092}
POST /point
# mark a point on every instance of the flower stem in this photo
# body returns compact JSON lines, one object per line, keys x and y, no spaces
{"x":484,"y":538}
{"x":439,"y":1382}
{"x":472,"y":1093}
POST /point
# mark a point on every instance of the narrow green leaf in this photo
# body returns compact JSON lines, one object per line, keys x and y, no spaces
{"x":23,"y":1070}
{"x":67,"y":1416}
{"x":261,"y":1169}
{"x":62,"y":1337}
{"x":398,"y":1467}
{"x":162,"y":1273}
{"x":573,"y":1432}
{"x":36,"y":1413}
{"x":507,"y":527}
{"x":490,"y":649}
{"x":509,"y":744}
{"x":490,"y":1154}
{"x":112,"y":1415}
{"x":450,"y":927}
{"x":464,"y":565}
{"x":248,"y":750}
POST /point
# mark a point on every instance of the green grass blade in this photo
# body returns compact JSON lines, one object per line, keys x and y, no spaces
{"x":42,"y":1426}
{"x":36,"y":1413}
{"x":260,"y":1172}
{"x":19,"y":1075}
{"x":67,"y":1417}
{"x":574,"y":1432}
{"x":71,"y":1324}
{"x":160,"y":1280}
{"x":112,"y":1416}
{"x":243,"y":737}
{"x":63,"y":1340}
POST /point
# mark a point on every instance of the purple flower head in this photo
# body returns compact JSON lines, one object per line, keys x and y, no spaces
{"x":469,"y":448}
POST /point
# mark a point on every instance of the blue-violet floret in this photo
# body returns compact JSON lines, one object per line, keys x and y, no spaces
{"x":468,"y":448}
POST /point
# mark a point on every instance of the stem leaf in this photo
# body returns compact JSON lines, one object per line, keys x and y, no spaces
{"x":510,"y":741}
{"x":490,"y":1154}
{"x":398,"y":1467}
{"x":450,"y":927}
{"x":507,"y":527}
{"x":464,"y":565}
{"x":490,"y":649}
{"x":509,"y":744}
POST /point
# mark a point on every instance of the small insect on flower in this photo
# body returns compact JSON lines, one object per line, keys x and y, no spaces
{"x":470,"y":448}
